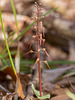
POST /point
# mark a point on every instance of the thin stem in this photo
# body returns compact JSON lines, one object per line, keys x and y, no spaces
{"x":38,"y":54}
{"x":4,"y":60}
{"x":70,"y":84}
{"x":4,"y":89}
{"x":17,"y":30}
{"x":13,"y":7}
{"x":7,"y":43}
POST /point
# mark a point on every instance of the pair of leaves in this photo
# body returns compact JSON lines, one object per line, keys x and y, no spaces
{"x":37,"y":93}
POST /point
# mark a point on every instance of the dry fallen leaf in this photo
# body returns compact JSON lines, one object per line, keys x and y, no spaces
{"x":60,"y":97}
{"x":17,"y":60}
{"x":20,"y":89}
{"x":7,"y":97}
{"x":9,"y":71}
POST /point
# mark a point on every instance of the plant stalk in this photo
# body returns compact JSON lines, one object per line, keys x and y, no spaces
{"x":38,"y":53}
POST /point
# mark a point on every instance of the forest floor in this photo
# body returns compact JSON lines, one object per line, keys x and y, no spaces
{"x":59,"y":44}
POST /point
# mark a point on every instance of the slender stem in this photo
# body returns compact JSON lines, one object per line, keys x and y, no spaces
{"x":14,"y":11}
{"x":17,"y":30}
{"x":7,"y":43}
{"x":70,"y":84}
{"x":38,"y":54}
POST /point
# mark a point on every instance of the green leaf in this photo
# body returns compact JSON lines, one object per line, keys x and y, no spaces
{"x":44,"y":97}
{"x":37,"y":93}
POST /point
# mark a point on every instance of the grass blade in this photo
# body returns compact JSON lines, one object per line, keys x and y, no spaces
{"x":49,"y":12}
{"x":13,"y":7}
{"x":61,"y":62}
{"x":4,"y":60}
{"x":6,"y":54}
{"x":7,"y":43}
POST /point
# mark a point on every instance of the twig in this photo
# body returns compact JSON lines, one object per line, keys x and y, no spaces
{"x":70,"y":84}
{"x":4,"y":89}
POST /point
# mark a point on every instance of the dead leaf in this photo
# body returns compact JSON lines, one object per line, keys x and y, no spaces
{"x":17,"y":59}
{"x":7,"y":97}
{"x":60,"y":97}
{"x":9,"y":71}
{"x":54,"y":74}
{"x":58,"y":90}
{"x":20,"y":89}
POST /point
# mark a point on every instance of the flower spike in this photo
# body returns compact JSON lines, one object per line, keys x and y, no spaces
{"x":39,"y":41}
